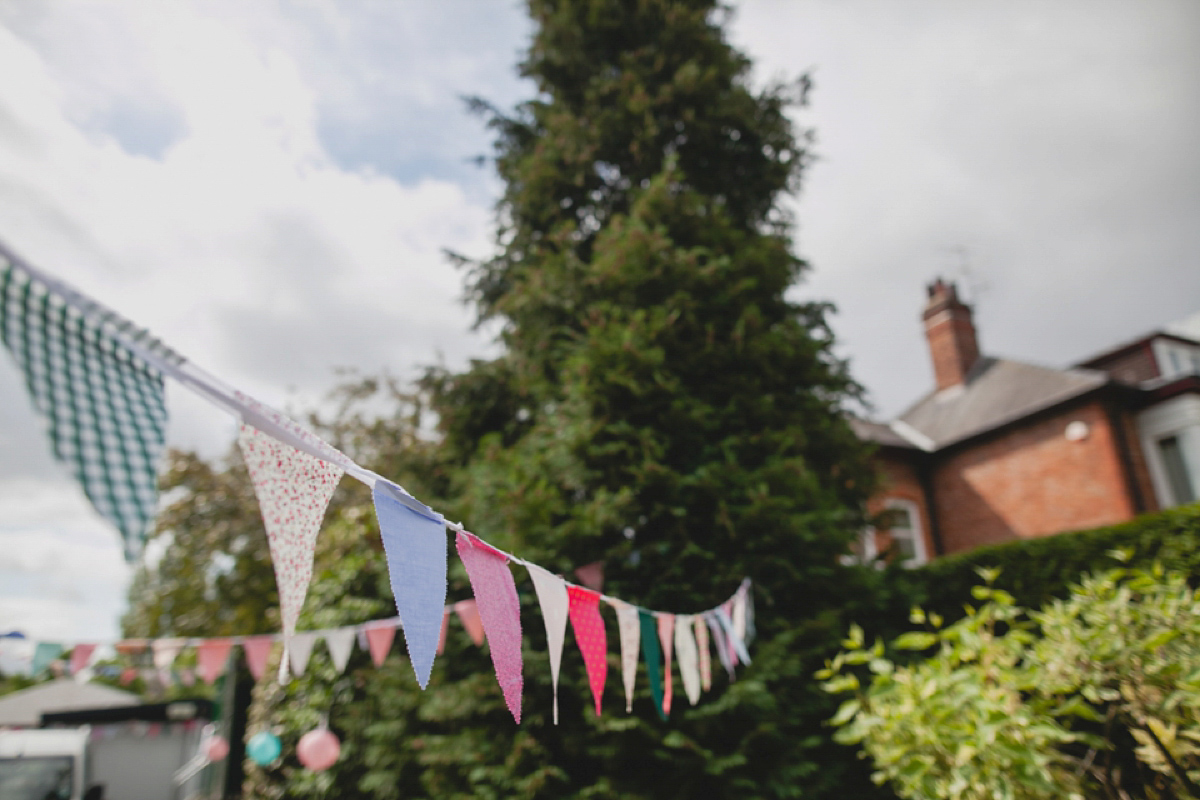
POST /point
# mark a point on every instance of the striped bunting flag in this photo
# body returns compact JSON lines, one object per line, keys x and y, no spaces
{"x":104,"y":407}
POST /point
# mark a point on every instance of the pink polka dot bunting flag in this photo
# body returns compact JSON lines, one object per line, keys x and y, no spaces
{"x":293,"y":491}
{"x":499,"y":610}
{"x":666,"y":627}
{"x":591,"y":638}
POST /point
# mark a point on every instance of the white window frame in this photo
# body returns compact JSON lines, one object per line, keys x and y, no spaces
{"x":1179,"y":416}
{"x":916,"y":530}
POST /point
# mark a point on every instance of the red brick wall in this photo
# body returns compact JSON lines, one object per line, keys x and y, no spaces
{"x":899,"y":480}
{"x":1030,"y":480}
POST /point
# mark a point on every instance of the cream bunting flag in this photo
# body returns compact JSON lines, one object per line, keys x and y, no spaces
{"x":552,"y":595}
{"x":705,"y":655}
{"x":302,"y":645}
{"x":630,"y":629}
{"x":685,"y":651}
{"x":340,"y":642}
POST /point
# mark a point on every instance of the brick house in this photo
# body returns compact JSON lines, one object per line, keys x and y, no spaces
{"x":1002,"y":449}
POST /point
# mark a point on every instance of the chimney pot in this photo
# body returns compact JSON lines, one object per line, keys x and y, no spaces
{"x":950,"y":331}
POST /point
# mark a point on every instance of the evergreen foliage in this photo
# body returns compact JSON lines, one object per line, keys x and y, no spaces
{"x":662,"y":405}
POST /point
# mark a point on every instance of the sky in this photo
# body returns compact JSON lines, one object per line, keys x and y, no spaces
{"x":270,"y":188}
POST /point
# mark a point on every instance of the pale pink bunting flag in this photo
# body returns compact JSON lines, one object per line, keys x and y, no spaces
{"x":727,"y":607}
{"x":258,"y":650}
{"x":293,"y":491}
{"x":468,"y":615}
{"x":211,"y":657}
{"x":705,"y":655}
{"x":552,"y":596}
{"x":591,"y":638}
{"x":630,"y":628}
{"x":441,"y":648}
{"x":591,"y":575}
{"x":379,"y":641}
{"x":128,"y":675}
{"x":666,"y":627}
{"x":165,"y":652}
{"x":499,"y":611}
{"x":186,"y":677}
{"x":80,"y":656}
{"x":689,"y":659}
{"x":738,"y":615}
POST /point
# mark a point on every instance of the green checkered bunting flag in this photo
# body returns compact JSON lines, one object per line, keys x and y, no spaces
{"x":104,"y":406}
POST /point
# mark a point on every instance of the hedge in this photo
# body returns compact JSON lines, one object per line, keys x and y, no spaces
{"x":1037,"y":570}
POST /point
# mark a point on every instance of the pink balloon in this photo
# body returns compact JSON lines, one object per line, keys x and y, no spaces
{"x":318,"y":750}
{"x":216,"y":749}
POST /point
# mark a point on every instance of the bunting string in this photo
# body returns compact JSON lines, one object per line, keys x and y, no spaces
{"x":97,"y":379}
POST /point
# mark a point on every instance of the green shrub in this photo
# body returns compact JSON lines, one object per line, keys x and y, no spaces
{"x":1035,"y":571}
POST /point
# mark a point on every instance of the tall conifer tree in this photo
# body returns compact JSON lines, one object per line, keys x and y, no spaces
{"x":662,"y":405}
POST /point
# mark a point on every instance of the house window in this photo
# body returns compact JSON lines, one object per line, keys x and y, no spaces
{"x":1179,"y":477}
{"x":908,"y":543}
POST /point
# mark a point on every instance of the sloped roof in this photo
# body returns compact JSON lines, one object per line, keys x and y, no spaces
{"x":997,"y":391}
{"x":880,"y":433}
{"x":25,"y":708}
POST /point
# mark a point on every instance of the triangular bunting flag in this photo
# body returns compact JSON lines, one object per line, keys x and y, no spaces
{"x":80,"y":656}
{"x":379,"y":642}
{"x":166,"y":651}
{"x":468,"y":615}
{"x":43,"y":655}
{"x":293,"y":491}
{"x":666,"y":627}
{"x":552,"y":595}
{"x":653,"y":658}
{"x":689,"y":666}
{"x":104,"y":406}
{"x":258,"y":651}
{"x":340,"y":642}
{"x":128,"y":676}
{"x":415,"y":546}
{"x":705,"y":655}
{"x":499,"y":610}
{"x":737,"y":616}
{"x":737,"y":647}
{"x":300,"y":650}
{"x":591,"y":575}
{"x":186,"y":677}
{"x":445,"y":629}
{"x":591,"y":638}
{"x":718,"y":640}
{"x":211,"y":658}
{"x":131,"y":647}
{"x":631,"y":637}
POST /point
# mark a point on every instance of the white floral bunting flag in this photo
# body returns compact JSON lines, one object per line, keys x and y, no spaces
{"x":685,"y":651}
{"x":293,"y":491}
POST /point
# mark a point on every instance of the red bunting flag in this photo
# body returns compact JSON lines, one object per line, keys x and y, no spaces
{"x":666,"y":628}
{"x":80,"y":656}
{"x":590,"y":636}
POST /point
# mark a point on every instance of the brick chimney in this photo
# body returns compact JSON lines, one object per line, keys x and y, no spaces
{"x":951,"y":335}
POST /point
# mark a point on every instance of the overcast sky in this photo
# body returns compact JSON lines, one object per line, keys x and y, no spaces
{"x":269,"y":187}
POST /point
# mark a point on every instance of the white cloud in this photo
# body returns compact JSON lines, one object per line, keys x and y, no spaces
{"x":241,"y":241}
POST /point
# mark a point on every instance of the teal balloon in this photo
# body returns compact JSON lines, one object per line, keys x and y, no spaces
{"x":263,"y":748}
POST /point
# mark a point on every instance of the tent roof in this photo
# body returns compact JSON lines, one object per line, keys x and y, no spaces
{"x":25,"y":708}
